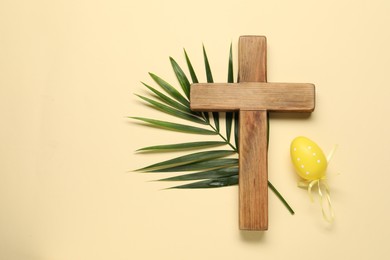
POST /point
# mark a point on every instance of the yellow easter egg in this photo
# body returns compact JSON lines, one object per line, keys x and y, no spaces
{"x":308,"y":159}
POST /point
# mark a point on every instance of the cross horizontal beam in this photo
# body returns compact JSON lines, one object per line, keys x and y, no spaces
{"x":281,"y":97}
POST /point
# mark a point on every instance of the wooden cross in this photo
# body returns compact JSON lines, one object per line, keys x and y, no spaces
{"x":253,"y":98}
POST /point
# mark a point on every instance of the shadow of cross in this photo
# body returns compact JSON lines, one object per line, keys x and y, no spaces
{"x":253,"y":97}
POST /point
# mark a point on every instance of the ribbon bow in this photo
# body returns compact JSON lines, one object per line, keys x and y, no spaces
{"x":324,"y":194}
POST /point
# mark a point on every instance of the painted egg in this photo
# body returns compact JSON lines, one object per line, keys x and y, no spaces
{"x":308,"y":159}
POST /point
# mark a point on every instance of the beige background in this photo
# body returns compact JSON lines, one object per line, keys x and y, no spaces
{"x":68,"y":71}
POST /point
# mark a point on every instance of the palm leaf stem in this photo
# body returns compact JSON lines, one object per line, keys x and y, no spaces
{"x":179,"y":106}
{"x":280,"y":197}
{"x":219,"y":133}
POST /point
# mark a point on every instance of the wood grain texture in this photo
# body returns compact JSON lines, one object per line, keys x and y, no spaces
{"x":281,"y":97}
{"x":252,"y":59}
{"x":253,"y":189}
{"x":253,"y":177}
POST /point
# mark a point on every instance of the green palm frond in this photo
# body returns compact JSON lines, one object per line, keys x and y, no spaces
{"x":230,"y":79}
{"x":211,"y":183}
{"x":187,"y":160}
{"x":172,"y":111}
{"x":209,"y":174}
{"x":181,"y":77}
{"x":170,"y":90}
{"x":191,"y":69}
{"x":207,"y":167}
{"x":176,"y":127}
{"x":169,"y":101}
{"x":183,"y":146}
{"x":210,"y":79}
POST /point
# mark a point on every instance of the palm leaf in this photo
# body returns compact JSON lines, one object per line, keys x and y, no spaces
{"x":236,"y":128}
{"x":176,"y":127}
{"x":211,"y":174}
{"x":174,"y":112}
{"x":268,"y":129}
{"x":213,"y":183}
{"x":205,"y":165}
{"x":194,"y":79}
{"x":209,"y":75}
{"x":183,"y":146}
{"x":169,"y":101}
{"x":170,"y":90}
{"x":181,"y":77}
{"x":191,"y":69}
{"x":229,"y":115}
{"x":187,"y":160}
{"x":210,"y":79}
{"x":280,"y":197}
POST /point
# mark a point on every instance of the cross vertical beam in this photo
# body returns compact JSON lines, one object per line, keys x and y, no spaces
{"x":253,"y":178}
